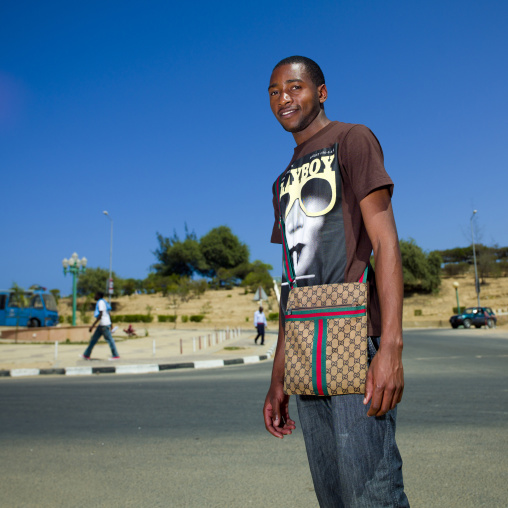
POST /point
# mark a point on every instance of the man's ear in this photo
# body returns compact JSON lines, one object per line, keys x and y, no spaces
{"x":322,"y":93}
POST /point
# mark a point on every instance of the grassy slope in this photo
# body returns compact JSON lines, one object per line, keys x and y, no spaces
{"x":235,"y":308}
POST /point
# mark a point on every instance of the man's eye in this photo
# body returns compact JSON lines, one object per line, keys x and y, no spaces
{"x":274,"y":92}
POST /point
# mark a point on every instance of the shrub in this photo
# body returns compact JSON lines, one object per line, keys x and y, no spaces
{"x":197,"y":318}
{"x":185,"y":318}
{"x":61,"y":319}
{"x":418,"y":312}
{"x":273,"y":316}
{"x":167,"y":318}
{"x":131,"y":318}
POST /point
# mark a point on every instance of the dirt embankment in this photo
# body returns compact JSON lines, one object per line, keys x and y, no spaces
{"x":222,"y":308}
{"x":235,"y":308}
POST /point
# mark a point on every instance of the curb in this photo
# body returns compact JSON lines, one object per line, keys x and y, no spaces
{"x":143,"y":368}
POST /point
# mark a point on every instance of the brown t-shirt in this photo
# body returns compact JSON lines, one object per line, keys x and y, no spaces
{"x":320,"y":194}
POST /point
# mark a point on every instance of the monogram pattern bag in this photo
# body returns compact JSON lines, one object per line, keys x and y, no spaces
{"x":325,"y":334}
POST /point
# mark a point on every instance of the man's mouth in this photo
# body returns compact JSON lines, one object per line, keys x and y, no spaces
{"x":287,"y":112}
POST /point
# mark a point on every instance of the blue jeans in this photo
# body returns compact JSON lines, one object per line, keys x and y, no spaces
{"x":102,"y":331}
{"x":354,"y":459}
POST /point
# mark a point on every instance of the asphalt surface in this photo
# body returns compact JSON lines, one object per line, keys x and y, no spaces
{"x":196,"y":437}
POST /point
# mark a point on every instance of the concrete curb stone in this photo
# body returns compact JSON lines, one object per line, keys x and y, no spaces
{"x":138,"y":368}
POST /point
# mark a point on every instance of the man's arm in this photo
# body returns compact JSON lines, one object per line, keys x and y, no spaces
{"x":96,"y":321}
{"x":385,"y":378}
{"x":275,"y":410}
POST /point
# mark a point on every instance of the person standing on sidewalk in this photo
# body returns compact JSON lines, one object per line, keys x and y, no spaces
{"x":260,"y":324}
{"x":103,"y":320}
{"x":336,"y":205}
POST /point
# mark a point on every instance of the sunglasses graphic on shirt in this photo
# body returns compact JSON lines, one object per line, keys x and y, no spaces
{"x":313,"y":185}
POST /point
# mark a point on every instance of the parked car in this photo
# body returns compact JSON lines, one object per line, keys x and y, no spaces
{"x":474,"y":316}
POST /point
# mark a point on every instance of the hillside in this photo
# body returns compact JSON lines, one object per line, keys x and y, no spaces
{"x":235,"y":308}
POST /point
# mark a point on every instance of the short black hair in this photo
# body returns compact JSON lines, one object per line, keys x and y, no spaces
{"x":315,"y":73}
{"x":100,"y":294}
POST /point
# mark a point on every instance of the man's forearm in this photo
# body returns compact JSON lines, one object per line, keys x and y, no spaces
{"x":390,"y":290}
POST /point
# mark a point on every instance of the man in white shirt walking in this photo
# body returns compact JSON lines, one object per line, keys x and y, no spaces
{"x":104,"y":329}
{"x":260,"y":324}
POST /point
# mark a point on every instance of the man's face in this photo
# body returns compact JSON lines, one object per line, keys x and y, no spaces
{"x":294,"y":99}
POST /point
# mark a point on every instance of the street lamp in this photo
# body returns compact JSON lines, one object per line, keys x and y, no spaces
{"x":476,"y":284}
{"x":109,"y":285}
{"x":75,"y":266}
{"x":456,"y":286}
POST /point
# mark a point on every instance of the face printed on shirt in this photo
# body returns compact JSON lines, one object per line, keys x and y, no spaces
{"x":308,"y":194}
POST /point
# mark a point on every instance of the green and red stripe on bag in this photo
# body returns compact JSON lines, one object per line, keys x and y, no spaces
{"x":326,"y":339}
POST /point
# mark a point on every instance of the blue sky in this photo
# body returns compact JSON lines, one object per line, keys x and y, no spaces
{"x":158,"y":112}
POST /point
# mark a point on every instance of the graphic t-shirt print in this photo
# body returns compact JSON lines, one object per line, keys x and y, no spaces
{"x":310,"y":204}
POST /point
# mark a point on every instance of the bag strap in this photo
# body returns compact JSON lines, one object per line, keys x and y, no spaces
{"x":289,"y":270}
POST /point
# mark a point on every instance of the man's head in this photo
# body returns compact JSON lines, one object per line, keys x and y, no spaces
{"x":98,"y":295}
{"x":313,"y":70}
{"x":260,"y":309}
{"x":297,"y":93}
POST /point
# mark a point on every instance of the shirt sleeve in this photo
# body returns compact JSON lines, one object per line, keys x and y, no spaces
{"x":363,"y":162}
{"x":102,"y":306}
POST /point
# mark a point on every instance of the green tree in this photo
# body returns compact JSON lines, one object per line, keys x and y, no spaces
{"x":457,"y":255}
{"x":490,"y":260}
{"x":156,"y":283}
{"x":179,"y":257}
{"x":258,"y":275}
{"x":56,"y":294}
{"x":95,"y":279}
{"x":130,"y":286}
{"x":20,"y":300}
{"x":422,"y":272}
{"x":222,"y":249}
{"x":486,"y":263}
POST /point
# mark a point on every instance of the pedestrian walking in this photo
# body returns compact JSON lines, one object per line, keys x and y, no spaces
{"x":103,"y":320}
{"x":260,"y":324}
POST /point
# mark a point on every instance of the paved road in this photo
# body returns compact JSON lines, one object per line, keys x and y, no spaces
{"x":196,"y":438}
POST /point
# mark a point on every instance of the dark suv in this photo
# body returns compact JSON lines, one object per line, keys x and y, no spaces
{"x":474,"y":316}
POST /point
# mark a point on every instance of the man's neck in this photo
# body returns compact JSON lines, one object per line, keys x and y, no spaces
{"x":317,"y":124}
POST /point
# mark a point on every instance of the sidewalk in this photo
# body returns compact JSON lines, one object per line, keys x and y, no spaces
{"x":163,"y":349}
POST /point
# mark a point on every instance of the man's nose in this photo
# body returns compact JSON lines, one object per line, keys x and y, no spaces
{"x":285,"y":98}
{"x":298,"y":218}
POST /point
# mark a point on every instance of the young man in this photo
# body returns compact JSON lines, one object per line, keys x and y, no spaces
{"x":260,"y":324}
{"x":335,"y":198}
{"x":104,"y":329}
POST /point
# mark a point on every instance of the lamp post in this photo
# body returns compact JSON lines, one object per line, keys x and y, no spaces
{"x":109,"y":288}
{"x":456,"y":286}
{"x":75,"y":266}
{"x":476,"y":284}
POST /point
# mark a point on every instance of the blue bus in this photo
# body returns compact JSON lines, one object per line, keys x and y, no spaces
{"x":32,"y":308}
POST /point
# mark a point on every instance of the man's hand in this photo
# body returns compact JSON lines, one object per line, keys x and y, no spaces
{"x":275,"y":412}
{"x":385,"y":381}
